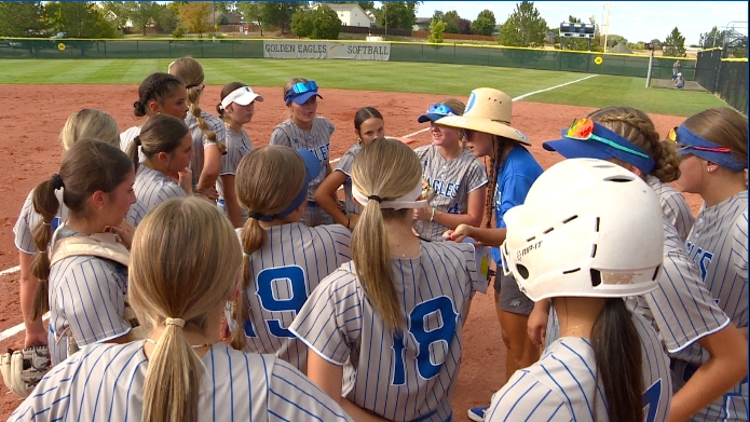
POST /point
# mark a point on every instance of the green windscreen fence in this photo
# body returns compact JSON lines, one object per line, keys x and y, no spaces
{"x":725,"y":77}
{"x":569,"y":61}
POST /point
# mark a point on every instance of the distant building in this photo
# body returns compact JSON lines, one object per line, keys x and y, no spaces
{"x":349,"y":13}
{"x":232,"y":18}
{"x":422,"y":24}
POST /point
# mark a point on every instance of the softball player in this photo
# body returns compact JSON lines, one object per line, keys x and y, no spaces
{"x":207,"y":130}
{"x":85,"y":123}
{"x":181,"y":371}
{"x":85,"y":293}
{"x":713,"y":145}
{"x":455,"y":176}
{"x":166,"y":144}
{"x":392,"y":318}
{"x":304,"y":129}
{"x":577,"y":240}
{"x":368,"y":125}
{"x":513,"y":169}
{"x":236,"y":109}
{"x":693,"y":328}
{"x":158,"y":93}
{"x":285,"y":260}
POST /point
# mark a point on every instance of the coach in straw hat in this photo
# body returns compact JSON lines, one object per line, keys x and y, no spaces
{"x":486,"y":123}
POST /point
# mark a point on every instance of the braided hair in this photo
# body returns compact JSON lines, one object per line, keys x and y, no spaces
{"x":156,"y":87}
{"x":502,"y":148}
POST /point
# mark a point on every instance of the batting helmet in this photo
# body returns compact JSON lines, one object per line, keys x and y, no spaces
{"x":588,"y":228}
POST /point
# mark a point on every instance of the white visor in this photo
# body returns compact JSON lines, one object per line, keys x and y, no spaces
{"x":242,"y":96}
{"x":410,"y":200}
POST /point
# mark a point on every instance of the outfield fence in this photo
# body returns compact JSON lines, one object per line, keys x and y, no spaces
{"x":462,"y":54}
{"x":725,"y":77}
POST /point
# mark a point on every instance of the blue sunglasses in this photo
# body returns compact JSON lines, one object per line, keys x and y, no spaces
{"x":303,"y":87}
{"x":441,"y":109}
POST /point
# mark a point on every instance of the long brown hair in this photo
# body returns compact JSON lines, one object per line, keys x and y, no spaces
{"x":190,"y":72}
{"x":184,"y":263}
{"x":268,"y":179}
{"x":388,"y":169}
{"x":723,"y":126}
{"x":89,"y":165}
{"x":635,"y":126}
{"x":160,"y":133}
{"x":502,"y":148}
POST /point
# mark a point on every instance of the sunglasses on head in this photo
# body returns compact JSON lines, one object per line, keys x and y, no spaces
{"x":583,"y":130}
{"x":303,"y":87}
{"x":672,"y":136}
{"x":441,"y":109}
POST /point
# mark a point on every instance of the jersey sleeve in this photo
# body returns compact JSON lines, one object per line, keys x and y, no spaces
{"x":476,"y":176}
{"x":342,"y":239}
{"x":523,"y":398}
{"x":676,"y":209}
{"x":330,"y":322}
{"x":345,"y":164}
{"x":682,"y":306}
{"x":280,"y":137}
{"x":91,"y":295}
{"x":26,"y":221}
{"x":293,"y":397}
{"x":330,"y":127}
{"x":514,"y":191}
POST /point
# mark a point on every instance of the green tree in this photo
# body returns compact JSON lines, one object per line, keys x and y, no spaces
{"x":437,"y":27}
{"x":252,"y":12}
{"x":222,"y":20}
{"x":78,"y":20}
{"x":524,"y":27}
{"x":398,"y":14}
{"x":166,"y":18}
{"x":280,"y":13}
{"x":365,"y":5}
{"x":194,"y":17}
{"x":712,"y":38}
{"x":451,"y":22}
{"x":302,"y":24}
{"x":19,"y":19}
{"x":485,"y":23}
{"x":439,"y":15}
{"x":614,"y":39}
{"x":117,"y":10}
{"x":140,"y":14}
{"x":674,"y":45}
{"x":326,"y":24}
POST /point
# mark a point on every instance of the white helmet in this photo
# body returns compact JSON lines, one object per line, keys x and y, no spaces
{"x":588,"y":228}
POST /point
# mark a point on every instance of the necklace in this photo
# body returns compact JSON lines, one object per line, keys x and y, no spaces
{"x":573,"y":328}
{"x":403,"y":255}
{"x":194,"y":346}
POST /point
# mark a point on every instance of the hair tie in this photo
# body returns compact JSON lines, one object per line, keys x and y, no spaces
{"x":256,"y":215}
{"x":175,"y":321}
{"x":57,"y":182}
{"x":376,"y":198}
{"x":137,"y":140}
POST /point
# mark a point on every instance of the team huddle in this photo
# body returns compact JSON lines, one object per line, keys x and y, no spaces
{"x":190,"y":276}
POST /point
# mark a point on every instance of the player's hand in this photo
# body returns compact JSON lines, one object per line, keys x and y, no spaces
{"x":459,"y":233}
{"x":422,"y":213}
{"x":35,"y":338}
{"x":211,"y":194}
{"x":537,"y":325}
{"x":125,"y":230}
{"x":185,"y":180}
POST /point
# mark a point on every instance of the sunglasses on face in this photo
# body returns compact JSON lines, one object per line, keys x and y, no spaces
{"x":303,"y":87}
{"x":441,"y":109}
{"x":672,"y":136}
{"x":583,"y":130}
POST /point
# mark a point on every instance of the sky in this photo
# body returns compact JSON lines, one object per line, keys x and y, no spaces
{"x":634,"y":20}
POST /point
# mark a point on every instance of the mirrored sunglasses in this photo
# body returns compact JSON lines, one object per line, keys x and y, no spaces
{"x":583,"y":130}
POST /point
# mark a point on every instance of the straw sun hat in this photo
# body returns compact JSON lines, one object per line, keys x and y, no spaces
{"x":488,"y":111}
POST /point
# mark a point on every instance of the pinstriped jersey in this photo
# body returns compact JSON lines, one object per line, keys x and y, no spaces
{"x":126,"y":138}
{"x":106,"y":382}
{"x":153,"y":187}
{"x":201,"y":141}
{"x":318,"y":141}
{"x":238,"y":144}
{"x":286,"y":270}
{"x":718,"y":244}
{"x":451,"y":181}
{"x":87,"y":296}
{"x":562,"y":385}
{"x":402,"y":376}
{"x":674,"y":205}
{"x":345,"y":166}
{"x":28,"y":219}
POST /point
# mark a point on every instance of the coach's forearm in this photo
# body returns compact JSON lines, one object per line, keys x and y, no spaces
{"x":489,"y":237}
{"x":453,"y":220}
{"x":725,"y":368}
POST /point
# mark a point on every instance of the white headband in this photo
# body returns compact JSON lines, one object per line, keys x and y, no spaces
{"x":244,"y":92}
{"x":410,"y":200}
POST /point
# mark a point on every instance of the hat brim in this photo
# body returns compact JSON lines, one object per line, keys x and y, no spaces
{"x":478,"y":124}
{"x":301,"y":99}
{"x":430,"y":117}
{"x":247,"y":98}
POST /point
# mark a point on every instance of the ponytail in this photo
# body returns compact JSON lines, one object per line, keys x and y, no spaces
{"x":133,"y":152}
{"x":617,"y":349}
{"x":46,"y":204}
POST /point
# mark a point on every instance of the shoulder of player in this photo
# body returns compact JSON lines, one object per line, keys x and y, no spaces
{"x":322,"y":120}
{"x":424,"y":150}
{"x":449,"y":250}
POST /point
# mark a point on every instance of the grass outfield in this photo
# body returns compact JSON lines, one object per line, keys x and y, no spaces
{"x":600,"y":91}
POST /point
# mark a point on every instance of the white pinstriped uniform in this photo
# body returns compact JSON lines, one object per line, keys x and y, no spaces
{"x":238,"y":144}
{"x":153,"y":187}
{"x":562,"y":385}
{"x":345,"y":166}
{"x":286,"y":270}
{"x":201,"y":141}
{"x":126,"y":138}
{"x":718,"y":244}
{"x":674,"y":205}
{"x":399,"y":376}
{"x":451,"y":181}
{"x":318,"y":141}
{"x":86,"y":293}
{"x":28,"y":219}
{"x":106,"y":381}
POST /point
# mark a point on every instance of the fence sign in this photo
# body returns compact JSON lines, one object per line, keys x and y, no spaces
{"x":326,"y":50}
